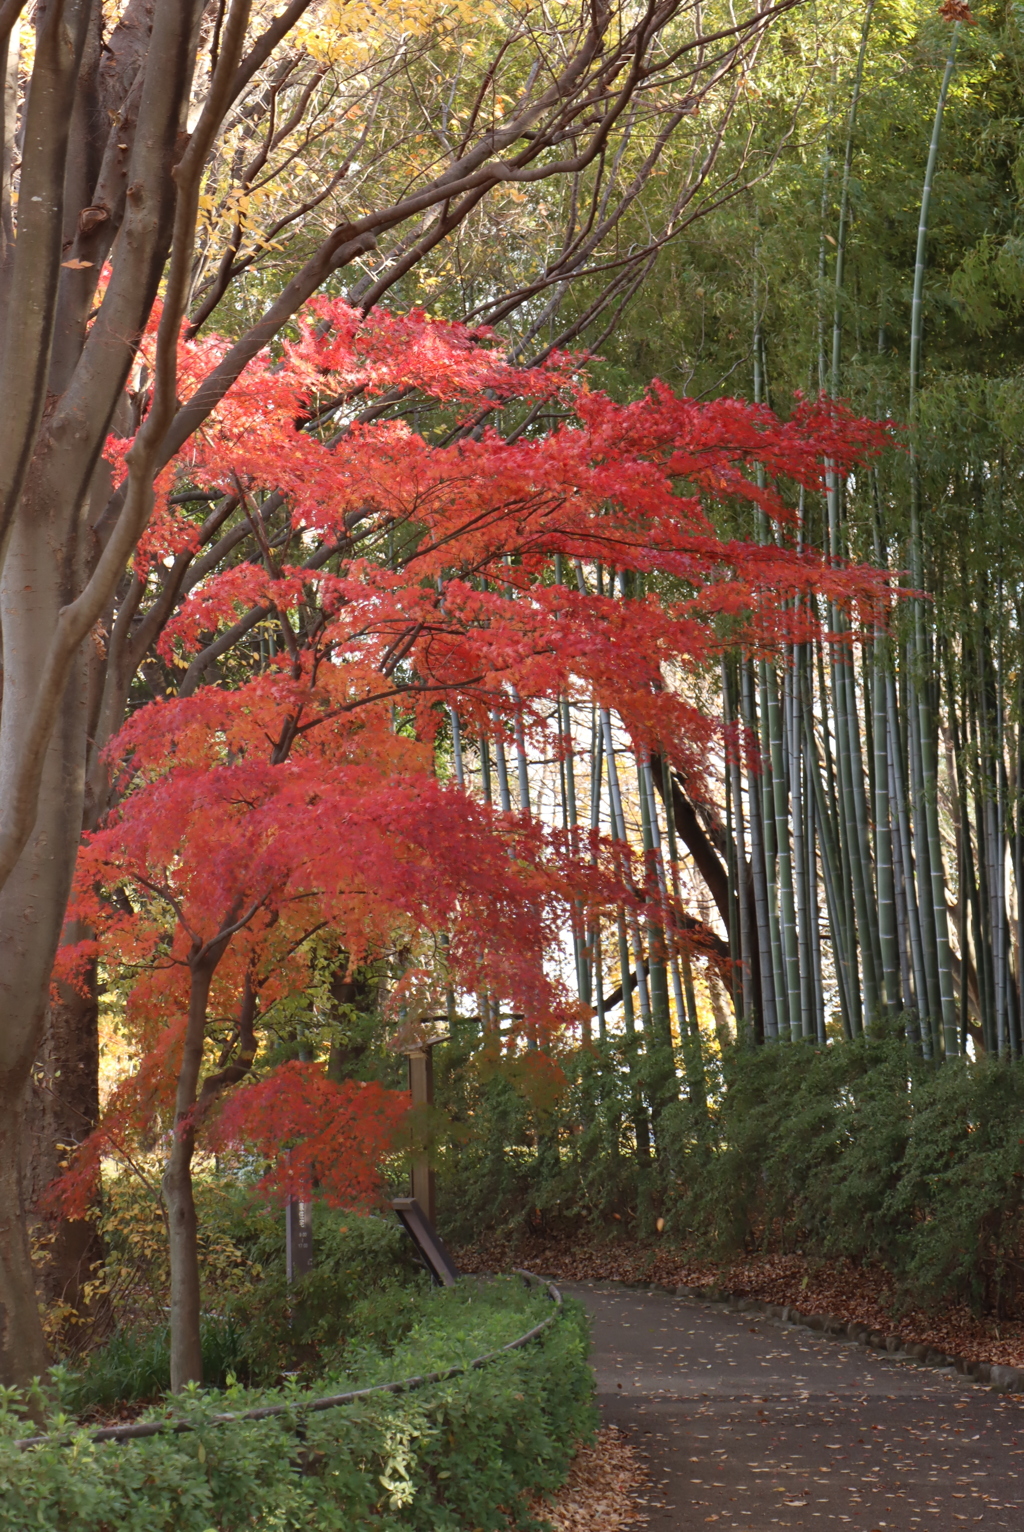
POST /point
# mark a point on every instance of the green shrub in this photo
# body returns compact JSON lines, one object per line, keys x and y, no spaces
{"x":864,"y":1150}
{"x":465,"y":1453}
{"x":514,"y":1163}
{"x":364,"y":1272}
{"x":858,"y":1149}
{"x":361,"y":1290}
{"x":135,"y":1365}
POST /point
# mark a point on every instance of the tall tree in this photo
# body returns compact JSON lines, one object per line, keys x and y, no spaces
{"x":125,"y":140}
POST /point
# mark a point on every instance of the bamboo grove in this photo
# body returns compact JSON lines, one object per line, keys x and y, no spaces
{"x":852,"y":847}
{"x":861,"y":852}
{"x":885,"y":828}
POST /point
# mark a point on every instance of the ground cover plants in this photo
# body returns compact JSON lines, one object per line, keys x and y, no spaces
{"x":364,"y":1289}
{"x":472,"y":1451}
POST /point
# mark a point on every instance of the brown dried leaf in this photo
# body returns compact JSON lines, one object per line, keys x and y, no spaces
{"x":601,"y":1493}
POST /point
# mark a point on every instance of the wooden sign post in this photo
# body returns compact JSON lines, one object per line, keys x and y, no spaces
{"x":427,"y":1241}
{"x":417,"y":1212}
{"x":298,"y":1241}
{"x":421,"y":1087}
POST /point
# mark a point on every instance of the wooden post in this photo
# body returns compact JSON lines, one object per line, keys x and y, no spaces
{"x":298,"y":1239}
{"x":421,"y":1086}
{"x":298,"y":1225}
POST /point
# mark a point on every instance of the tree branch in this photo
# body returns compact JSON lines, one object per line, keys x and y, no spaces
{"x":32,"y":296}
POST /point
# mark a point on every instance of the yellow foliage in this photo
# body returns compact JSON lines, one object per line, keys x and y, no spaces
{"x":349,"y":31}
{"x":117,"y":1059}
{"x":133,"y":1284}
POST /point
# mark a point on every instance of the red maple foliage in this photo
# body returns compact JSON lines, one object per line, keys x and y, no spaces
{"x":334,"y":1133}
{"x":414,"y":579}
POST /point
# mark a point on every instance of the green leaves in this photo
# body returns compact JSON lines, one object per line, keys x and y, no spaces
{"x":448,"y":1457}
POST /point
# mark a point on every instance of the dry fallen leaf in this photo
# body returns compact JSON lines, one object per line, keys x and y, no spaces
{"x":601,"y":1493}
{"x":76,"y":265}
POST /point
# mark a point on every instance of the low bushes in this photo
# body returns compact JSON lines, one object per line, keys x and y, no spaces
{"x":465,"y":1453}
{"x":864,"y":1150}
{"x":858,"y":1149}
{"x":256,"y":1327}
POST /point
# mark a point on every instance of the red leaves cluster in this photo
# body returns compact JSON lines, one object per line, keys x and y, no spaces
{"x":957,"y":10}
{"x":333,"y":1135}
{"x":296,"y":798}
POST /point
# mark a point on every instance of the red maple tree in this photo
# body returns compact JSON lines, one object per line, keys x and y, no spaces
{"x":415,"y":580}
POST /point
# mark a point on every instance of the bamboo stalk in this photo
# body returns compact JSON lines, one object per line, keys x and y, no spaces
{"x":784,"y":857}
{"x":505,"y":797}
{"x":522,"y":770}
{"x":794,"y":743}
{"x":842,"y":934}
{"x":844,"y":199}
{"x":619,"y":831}
{"x":758,"y":865}
{"x":656,"y":949}
{"x":739,"y":839}
{"x":883,"y":838}
{"x":931,"y":1018}
{"x":899,"y":795}
{"x":815,"y":927}
{"x":780,"y":987}
{"x":460,"y":769}
{"x":936,"y":929}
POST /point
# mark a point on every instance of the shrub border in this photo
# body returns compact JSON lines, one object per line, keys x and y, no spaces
{"x":145,"y":1428}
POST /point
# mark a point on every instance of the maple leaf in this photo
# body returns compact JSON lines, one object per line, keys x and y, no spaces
{"x":957,"y":10}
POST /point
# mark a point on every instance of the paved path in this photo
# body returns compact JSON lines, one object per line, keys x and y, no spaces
{"x":752,"y":1423}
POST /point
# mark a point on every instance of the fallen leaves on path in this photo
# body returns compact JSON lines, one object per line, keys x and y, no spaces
{"x":865,"y":1294}
{"x":602,"y":1492}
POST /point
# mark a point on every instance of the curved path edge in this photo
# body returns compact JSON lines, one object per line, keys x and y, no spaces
{"x":1005,"y":1379}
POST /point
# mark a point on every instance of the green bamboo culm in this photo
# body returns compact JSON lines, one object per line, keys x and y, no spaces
{"x":843,"y":226}
{"x":937,"y":916}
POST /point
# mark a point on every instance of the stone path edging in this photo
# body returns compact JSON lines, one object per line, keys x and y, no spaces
{"x":1004,"y":1379}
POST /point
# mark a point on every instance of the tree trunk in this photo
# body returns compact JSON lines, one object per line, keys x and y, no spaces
{"x":182,"y":1226}
{"x":34,"y":586}
{"x":183,"y":1244}
{"x":63,"y":1110}
{"x":22,"y":1348}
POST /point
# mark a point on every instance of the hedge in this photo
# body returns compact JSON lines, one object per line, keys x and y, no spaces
{"x":466,"y":1453}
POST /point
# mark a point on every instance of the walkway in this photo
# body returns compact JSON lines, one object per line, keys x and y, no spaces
{"x":752,"y":1423}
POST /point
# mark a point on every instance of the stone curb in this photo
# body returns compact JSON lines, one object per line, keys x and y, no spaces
{"x":1005,"y":1380}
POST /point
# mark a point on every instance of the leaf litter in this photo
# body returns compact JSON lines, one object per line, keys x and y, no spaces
{"x":603,"y":1490}
{"x":863,"y":1293}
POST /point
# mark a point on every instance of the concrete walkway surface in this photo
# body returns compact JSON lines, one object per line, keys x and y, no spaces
{"x":752,"y":1423}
